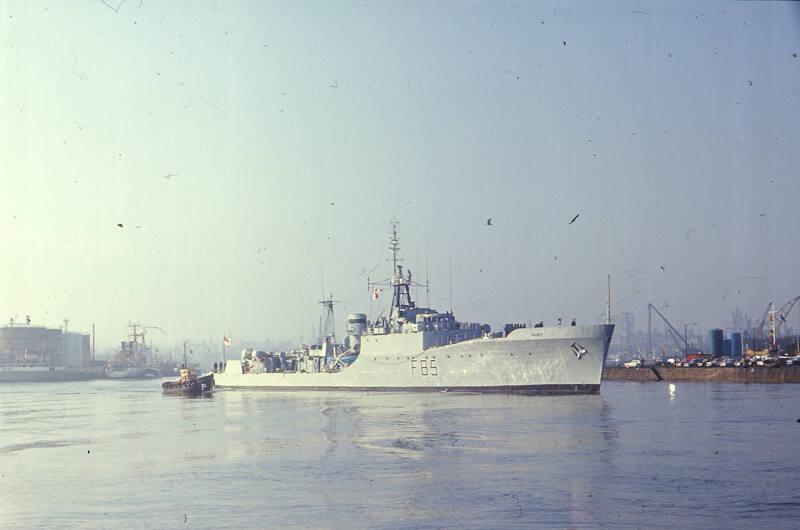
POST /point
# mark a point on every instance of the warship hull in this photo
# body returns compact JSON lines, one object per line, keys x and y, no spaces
{"x":552,"y":360}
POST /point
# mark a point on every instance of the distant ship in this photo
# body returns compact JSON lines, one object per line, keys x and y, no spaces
{"x":135,"y":359}
{"x":421,"y":349}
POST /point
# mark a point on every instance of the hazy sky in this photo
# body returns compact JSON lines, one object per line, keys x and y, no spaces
{"x":255,"y":153}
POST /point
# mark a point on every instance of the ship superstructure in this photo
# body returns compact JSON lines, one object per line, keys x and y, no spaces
{"x":134,"y":359}
{"x":421,"y":349}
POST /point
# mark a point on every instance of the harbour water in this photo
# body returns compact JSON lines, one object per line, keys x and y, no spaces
{"x":107,"y":454}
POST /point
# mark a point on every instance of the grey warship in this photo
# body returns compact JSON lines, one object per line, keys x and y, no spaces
{"x":420,"y":349}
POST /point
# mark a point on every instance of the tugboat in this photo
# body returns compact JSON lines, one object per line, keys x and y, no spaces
{"x":189,"y":384}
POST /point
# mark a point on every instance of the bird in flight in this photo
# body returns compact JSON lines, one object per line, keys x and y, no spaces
{"x":489,"y":222}
{"x":575,"y":218}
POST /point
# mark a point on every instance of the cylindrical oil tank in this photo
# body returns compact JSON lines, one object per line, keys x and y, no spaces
{"x":75,"y":351}
{"x":736,"y":345}
{"x":356,"y":324}
{"x":30,"y":344}
{"x":715,"y":342}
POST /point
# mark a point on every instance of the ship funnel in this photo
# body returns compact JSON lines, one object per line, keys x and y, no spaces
{"x":356,"y":324}
{"x":356,"y":327}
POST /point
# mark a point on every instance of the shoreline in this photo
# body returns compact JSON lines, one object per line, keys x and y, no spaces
{"x":728,"y":374}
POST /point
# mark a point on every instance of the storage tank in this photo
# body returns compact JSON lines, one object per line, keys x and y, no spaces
{"x":75,"y":351}
{"x":715,"y":342}
{"x":30,"y":344}
{"x":736,"y":345}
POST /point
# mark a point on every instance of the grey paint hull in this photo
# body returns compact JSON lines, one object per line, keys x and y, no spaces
{"x":556,"y":360}
{"x":530,"y":390}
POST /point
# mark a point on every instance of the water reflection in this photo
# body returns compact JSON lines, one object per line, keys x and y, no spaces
{"x":493,"y":457}
{"x":121,"y":453}
{"x":421,"y":449}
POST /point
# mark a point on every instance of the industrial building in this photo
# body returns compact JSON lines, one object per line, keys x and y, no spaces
{"x":41,"y":346}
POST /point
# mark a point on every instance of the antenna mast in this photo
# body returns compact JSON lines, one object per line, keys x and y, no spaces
{"x":427,"y":276}
{"x":329,"y":331}
{"x":450,"y":268}
{"x":394,"y":245}
{"x":400,"y":284}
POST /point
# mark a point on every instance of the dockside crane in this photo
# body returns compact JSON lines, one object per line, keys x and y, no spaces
{"x":773,"y":320}
{"x":783,"y":312}
{"x":676,"y":336}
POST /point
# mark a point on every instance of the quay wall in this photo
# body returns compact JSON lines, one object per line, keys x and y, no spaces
{"x":732,"y":374}
{"x":620,"y":373}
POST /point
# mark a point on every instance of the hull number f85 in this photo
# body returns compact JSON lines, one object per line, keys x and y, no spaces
{"x":424,"y":367}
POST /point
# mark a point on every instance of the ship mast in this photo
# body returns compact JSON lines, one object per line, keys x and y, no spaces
{"x":401,"y":295}
{"x":135,"y":336}
{"x":329,"y":331}
{"x":399,"y":283}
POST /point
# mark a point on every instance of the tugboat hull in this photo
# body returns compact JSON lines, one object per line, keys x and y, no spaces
{"x":191,"y":387}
